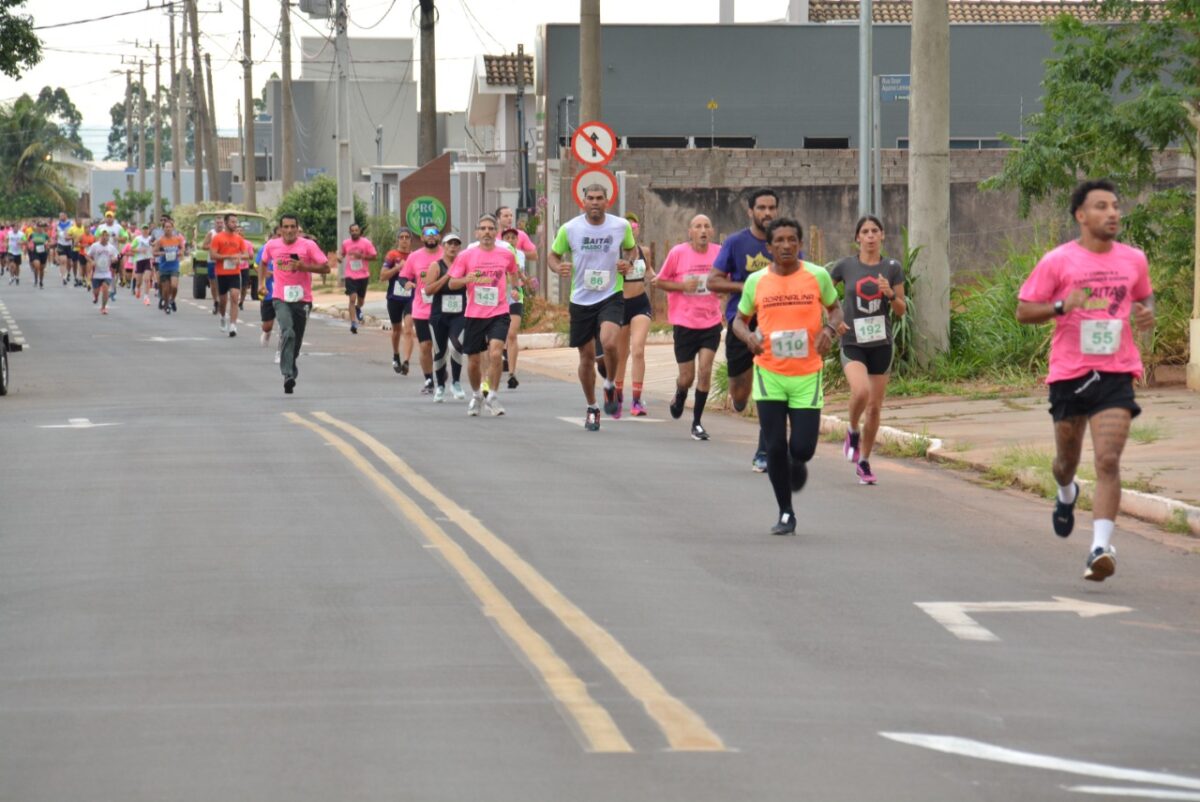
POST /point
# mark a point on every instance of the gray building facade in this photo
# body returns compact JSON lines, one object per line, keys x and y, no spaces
{"x":783,"y":85}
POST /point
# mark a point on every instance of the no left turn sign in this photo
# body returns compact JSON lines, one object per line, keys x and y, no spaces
{"x":594,"y":144}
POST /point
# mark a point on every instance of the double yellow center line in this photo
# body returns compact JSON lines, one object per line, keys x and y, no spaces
{"x":682,"y":727}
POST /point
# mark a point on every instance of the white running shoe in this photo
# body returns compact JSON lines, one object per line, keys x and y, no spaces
{"x":264,"y":338}
{"x":232,"y":329}
{"x":493,"y":406}
{"x":224,"y":324}
{"x":473,"y":407}
{"x":457,"y":391}
{"x":439,"y":395}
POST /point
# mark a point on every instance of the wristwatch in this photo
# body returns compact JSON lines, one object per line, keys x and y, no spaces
{"x":1059,"y":309}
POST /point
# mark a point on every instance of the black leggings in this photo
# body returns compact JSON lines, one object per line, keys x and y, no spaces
{"x":773,"y":417}
{"x":447,"y":340}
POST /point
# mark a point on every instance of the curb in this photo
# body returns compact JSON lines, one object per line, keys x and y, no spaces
{"x":1144,"y":506}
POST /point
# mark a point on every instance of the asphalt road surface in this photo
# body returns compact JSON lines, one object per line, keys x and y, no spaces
{"x":210,"y":590}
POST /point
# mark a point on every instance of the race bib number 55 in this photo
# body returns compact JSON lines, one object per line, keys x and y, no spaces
{"x":1101,"y":337}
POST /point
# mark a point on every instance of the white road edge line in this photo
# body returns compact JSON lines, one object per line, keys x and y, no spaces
{"x":1141,"y":793}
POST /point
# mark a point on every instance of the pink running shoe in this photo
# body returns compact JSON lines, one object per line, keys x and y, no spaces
{"x":638,"y":410}
{"x":865,"y":477}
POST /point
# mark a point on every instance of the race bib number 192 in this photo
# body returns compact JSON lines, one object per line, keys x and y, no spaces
{"x":869,"y":329}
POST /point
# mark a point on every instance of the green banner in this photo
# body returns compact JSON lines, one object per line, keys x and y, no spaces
{"x":423,"y":211}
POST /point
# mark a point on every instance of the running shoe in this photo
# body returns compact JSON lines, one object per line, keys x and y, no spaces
{"x":224,"y":324}
{"x":786,"y":525}
{"x":174,"y":306}
{"x":404,"y":368}
{"x":850,"y":446}
{"x":1064,"y":515}
{"x":620,"y":405}
{"x":493,"y":406}
{"x":759,"y":463}
{"x":698,"y":432}
{"x":232,"y":329}
{"x":677,"y":405}
{"x":512,"y":382}
{"x":863,"y":470}
{"x":1101,"y":564}
{"x":457,"y":391}
{"x":610,"y":402}
{"x":439,"y":395}
{"x":798,"y":474}
{"x":638,"y":410}
{"x":591,"y":421}
{"x":396,"y":364}
{"x":427,"y":388}
{"x":145,"y":300}
{"x":353,"y":329}
{"x":473,"y":407}
{"x":289,"y":385}
{"x":358,"y":313}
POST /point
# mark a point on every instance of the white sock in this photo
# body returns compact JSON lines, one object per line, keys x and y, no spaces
{"x":1102,"y":532}
{"x":1066,"y":493}
{"x":609,"y":384}
{"x":491,"y":394}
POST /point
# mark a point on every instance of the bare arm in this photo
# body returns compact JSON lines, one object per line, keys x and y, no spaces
{"x":1034,"y":312}
{"x":741,"y":330}
{"x":718,"y":281}
{"x":555,"y":262}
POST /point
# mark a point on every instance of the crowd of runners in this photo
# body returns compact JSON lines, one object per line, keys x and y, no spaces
{"x":461,"y":304}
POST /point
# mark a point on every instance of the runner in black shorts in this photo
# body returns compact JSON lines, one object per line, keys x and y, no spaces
{"x":874,"y":287}
{"x":448,"y":322}
{"x":635,"y":327}
{"x":399,"y":300}
{"x":743,"y":253}
{"x":601,"y":247}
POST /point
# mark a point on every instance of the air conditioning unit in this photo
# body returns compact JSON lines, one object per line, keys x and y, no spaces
{"x":317,"y":9}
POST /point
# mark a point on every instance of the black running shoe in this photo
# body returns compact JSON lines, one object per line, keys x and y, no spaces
{"x":1101,"y":564}
{"x":610,"y":401}
{"x":698,"y":432}
{"x":353,"y":329}
{"x":174,"y":307}
{"x":786,"y":525}
{"x":799,"y":475}
{"x":592,"y":421}
{"x":404,"y":368}
{"x":396,"y":366}
{"x":1064,"y":515}
{"x":677,"y":405}
{"x":289,"y":385}
{"x":512,"y":382}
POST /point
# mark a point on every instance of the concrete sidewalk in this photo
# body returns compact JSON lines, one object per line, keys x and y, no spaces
{"x":1002,"y":437}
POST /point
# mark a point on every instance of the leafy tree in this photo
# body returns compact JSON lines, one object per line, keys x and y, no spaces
{"x":315,"y":206}
{"x":260,"y":102}
{"x":20,"y":47}
{"x":132,"y":205}
{"x":28,"y":140}
{"x":116,"y":133}
{"x":58,"y":106}
{"x":1117,"y":93}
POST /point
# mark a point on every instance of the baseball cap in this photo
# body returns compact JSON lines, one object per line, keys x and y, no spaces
{"x":508,"y":231}
{"x":451,"y":237}
{"x":109,"y":214}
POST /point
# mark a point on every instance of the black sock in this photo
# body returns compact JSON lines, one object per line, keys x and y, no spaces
{"x":698,"y":410}
{"x":601,"y":369}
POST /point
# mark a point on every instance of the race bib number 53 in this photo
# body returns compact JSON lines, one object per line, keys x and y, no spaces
{"x":1101,"y":337}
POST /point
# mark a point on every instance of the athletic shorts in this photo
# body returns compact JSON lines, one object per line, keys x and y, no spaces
{"x":227,"y":283}
{"x":481,"y":330}
{"x":398,"y":308}
{"x":689,"y":342}
{"x":168,"y":271}
{"x":878,"y":358}
{"x":800,"y":392}
{"x":39,"y":257}
{"x":586,"y":320}
{"x":637,"y":305}
{"x":424,"y":332}
{"x":517,"y":309}
{"x":357,"y":286}
{"x":97,"y":283}
{"x":142,"y":266}
{"x":1091,"y":393}
{"x":63,"y":250}
{"x":266,"y":310}
{"x":737,"y":355}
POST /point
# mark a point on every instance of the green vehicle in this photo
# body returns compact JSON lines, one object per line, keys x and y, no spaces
{"x":255,"y":228}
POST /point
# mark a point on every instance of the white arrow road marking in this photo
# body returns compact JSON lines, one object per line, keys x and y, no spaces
{"x":953,"y":615}
{"x":999,"y":754}
{"x":579,"y":421}
{"x":77,"y":423}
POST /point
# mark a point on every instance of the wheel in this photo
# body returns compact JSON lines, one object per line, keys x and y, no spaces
{"x":199,"y":286}
{"x":4,"y":367}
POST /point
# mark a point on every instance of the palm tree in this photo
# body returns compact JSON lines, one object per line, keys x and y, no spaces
{"x":28,"y":140}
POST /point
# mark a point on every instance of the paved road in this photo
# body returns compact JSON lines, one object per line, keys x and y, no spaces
{"x":354,"y":594}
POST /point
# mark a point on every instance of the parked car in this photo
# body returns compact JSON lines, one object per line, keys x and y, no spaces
{"x":6,"y":345}
{"x":255,"y":228}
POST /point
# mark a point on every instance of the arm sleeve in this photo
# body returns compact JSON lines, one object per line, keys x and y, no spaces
{"x":562,"y":242}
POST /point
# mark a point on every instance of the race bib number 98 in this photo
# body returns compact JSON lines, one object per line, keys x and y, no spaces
{"x":789,"y":344}
{"x":1101,"y":337}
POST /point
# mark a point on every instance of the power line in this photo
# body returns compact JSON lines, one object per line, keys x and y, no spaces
{"x":377,"y":22}
{"x":471,"y":14}
{"x":101,"y":19}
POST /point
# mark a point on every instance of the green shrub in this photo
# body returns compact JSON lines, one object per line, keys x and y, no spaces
{"x":315,"y":205}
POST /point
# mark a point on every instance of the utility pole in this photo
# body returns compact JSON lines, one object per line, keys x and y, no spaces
{"x":1193,"y":367}
{"x":345,"y":189}
{"x":589,"y":60}
{"x":128,"y":131}
{"x":158,"y":206}
{"x":427,"y":137}
{"x":287,"y":156}
{"x":176,"y":115}
{"x":199,"y":106}
{"x":865,"y":107}
{"x":141,"y":126}
{"x":377,"y":188}
{"x":214,"y":170}
{"x":523,"y":147}
{"x":929,"y":174}
{"x":250,"y":172}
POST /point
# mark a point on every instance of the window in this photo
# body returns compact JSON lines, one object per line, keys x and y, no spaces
{"x":827,"y":142}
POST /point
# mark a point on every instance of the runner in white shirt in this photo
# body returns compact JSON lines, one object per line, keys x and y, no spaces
{"x":102,"y":255}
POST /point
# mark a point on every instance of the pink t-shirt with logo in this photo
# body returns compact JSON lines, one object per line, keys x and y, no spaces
{"x":489,"y":297}
{"x":693,"y":310}
{"x":415,"y":265}
{"x":358,"y":254}
{"x":1088,"y":338}
{"x":279,"y":253}
{"x":524,"y":243}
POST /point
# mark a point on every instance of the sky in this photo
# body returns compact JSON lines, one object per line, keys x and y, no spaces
{"x":89,"y":60}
